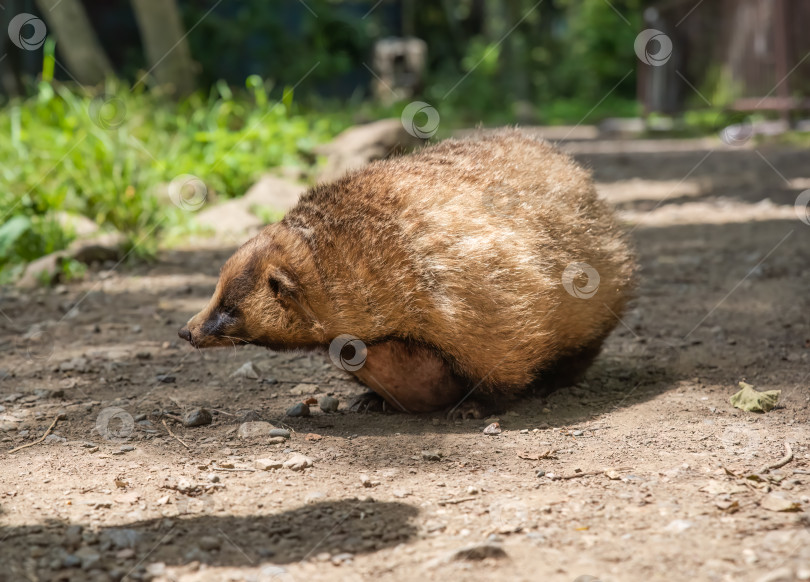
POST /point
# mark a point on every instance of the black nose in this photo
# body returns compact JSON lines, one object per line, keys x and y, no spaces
{"x":185,"y":334}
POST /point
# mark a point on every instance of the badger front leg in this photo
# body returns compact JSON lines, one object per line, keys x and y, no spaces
{"x":410,"y":378}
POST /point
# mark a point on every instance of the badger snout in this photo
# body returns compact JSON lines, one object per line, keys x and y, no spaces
{"x":185,"y":334}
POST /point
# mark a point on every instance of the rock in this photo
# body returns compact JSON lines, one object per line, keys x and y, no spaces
{"x":280,"y":432}
{"x":276,"y":440}
{"x":76,"y":224}
{"x":431,"y":455}
{"x":47,"y":269}
{"x":120,"y":538}
{"x":73,"y":537}
{"x":329,"y":404}
{"x":784,"y":574}
{"x":71,"y":561}
{"x":89,"y":558}
{"x":229,"y":218}
{"x":299,"y":409}
{"x":208,"y":543}
{"x":197,"y":417}
{"x":274,"y":192}
{"x":164,"y":378}
{"x":254,"y":429}
{"x":678,"y":525}
{"x":365,"y":481}
{"x":479,"y":552}
{"x":302,"y":389}
{"x":359,"y":145}
{"x":267,"y":464}
{"x":249,"y":416}
{"x":297,"y":462}
{"x":248,"y":370}
{"x":127,"y":448}
{"x":493,"y":429}
{"x":779,"y":501}
{"x":577,"y":433}
{"x":540,"y":473}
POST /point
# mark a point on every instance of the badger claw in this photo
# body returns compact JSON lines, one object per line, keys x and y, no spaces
{"x":469,"y":409}
{"x":369,"y":402}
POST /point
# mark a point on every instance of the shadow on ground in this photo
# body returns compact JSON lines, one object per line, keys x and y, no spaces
{"x":336,"y":527}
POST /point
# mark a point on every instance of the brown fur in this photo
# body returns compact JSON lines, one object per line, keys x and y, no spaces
{"x":449,"y":260}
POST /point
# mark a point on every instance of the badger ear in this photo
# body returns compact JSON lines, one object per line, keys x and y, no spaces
{"x":287,"y":290}
{"x":282,"y":284}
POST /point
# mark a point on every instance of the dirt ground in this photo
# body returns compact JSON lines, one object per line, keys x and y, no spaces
{"x":649,"y":472}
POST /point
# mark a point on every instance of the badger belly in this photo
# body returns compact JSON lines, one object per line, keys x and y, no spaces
{"x":410,"y":378}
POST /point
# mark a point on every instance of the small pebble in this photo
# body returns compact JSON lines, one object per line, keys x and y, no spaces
{"x":165,"y":378}
{"x":209,"y":543}
{"x":197,"y":417}
{"x":493,"y":429}
{"x":431,"y":455}
{"x":299,"y":409}
{"x":254,"y":429}
{"x":267,"y":464}
{"x":276,"y":440}
{"x":540,"y":473}
{"x":280,"y":432}
{"x":297,"y":462}
{"x":329,"y":404}
{"x":577,"y":433}
{"x":127,"y":448}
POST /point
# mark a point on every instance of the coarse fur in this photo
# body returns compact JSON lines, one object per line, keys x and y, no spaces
{"x":448,"y":264}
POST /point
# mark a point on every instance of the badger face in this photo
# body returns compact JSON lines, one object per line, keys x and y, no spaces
{"x":259,"y":300}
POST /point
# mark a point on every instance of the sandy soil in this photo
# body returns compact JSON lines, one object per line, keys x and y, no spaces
{"x":647,"y":466}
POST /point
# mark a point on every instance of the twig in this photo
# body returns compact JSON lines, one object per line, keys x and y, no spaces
{"x":42,"y":438}
{"x":217,"y":468}
{"x":584,"y":474}
{"x":222,"y":412}
{"x":781,"y":462}
{"x":455,"y":501}
{"x":179,"y":440}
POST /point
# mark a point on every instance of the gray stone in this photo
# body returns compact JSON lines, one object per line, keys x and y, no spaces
{"x":197,"y":417}
{"x":299,"y":409}
{"x":280,"y":432}
{"x":329,"y":404}
{"x":254,"y":429}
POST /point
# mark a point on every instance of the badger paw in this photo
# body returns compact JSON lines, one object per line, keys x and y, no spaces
{"x":469,"y":409}
{"x":370,"y":402}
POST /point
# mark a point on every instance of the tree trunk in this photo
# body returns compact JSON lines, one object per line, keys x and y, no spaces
{"x":76,"y":40}
{"x":166,"y":47}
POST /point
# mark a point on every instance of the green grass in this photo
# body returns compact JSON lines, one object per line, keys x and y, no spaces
{"x":109,"y":156}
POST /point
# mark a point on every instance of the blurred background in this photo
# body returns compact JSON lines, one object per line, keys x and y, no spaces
{"x":105,"y":105}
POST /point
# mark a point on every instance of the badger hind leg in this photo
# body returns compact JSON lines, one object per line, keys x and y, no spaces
{"x":568,"y":369}
{"x":410,"y":377}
